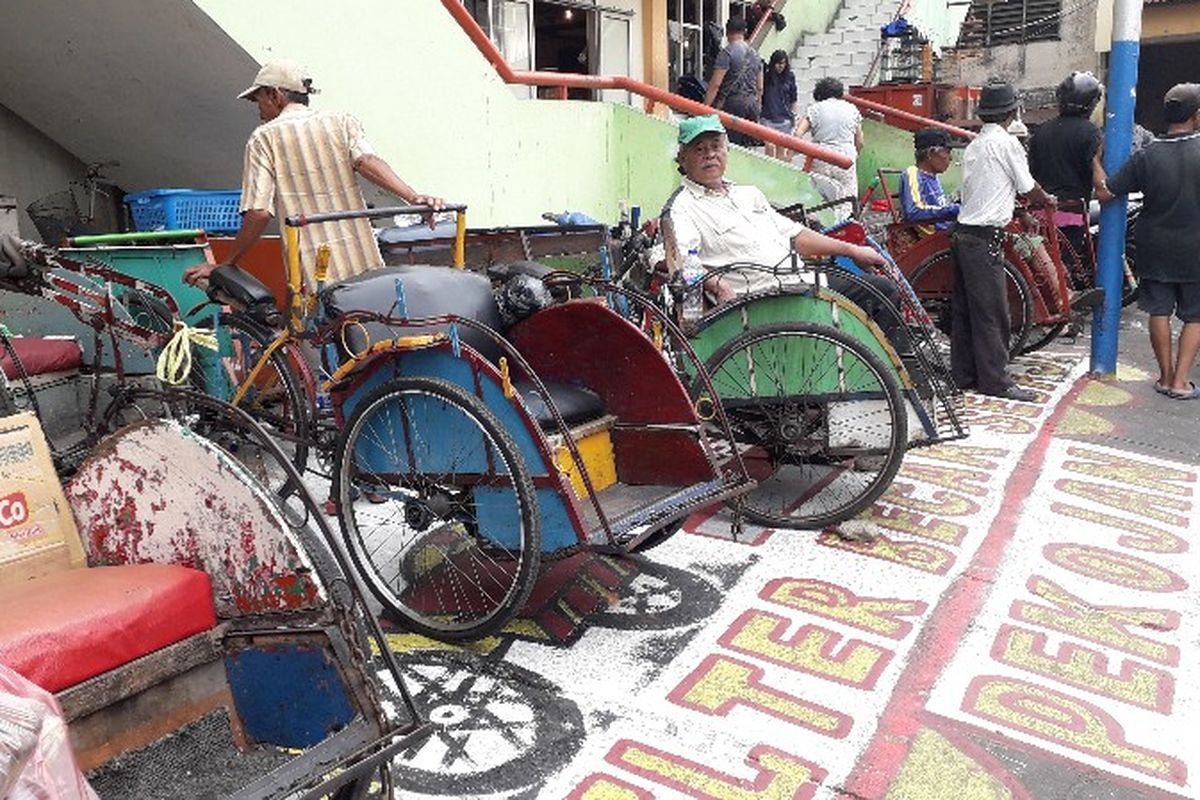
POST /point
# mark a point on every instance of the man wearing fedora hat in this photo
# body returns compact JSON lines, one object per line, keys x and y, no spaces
{"x":304,"y":161}
{"x":995,"y":171}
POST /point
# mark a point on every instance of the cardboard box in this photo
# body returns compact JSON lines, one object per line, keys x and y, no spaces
{"x":37,"y":530}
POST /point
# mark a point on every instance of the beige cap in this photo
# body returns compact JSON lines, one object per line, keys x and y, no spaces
{"x":283,"y":74}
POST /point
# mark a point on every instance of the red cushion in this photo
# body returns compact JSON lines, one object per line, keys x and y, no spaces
{"x":63,"y":628}
{"x":39,"y":356}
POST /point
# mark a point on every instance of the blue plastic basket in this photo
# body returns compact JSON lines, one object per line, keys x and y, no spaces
{"x":216,"y":211}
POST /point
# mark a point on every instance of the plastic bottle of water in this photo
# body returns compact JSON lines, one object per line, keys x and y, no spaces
{"x":693,"y":287}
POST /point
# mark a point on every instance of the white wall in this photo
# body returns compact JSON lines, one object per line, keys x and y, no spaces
{"x":31,"y":166}
{"x":435,"y":109}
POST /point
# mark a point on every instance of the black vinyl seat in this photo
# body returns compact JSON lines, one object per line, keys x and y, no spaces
{"x":432,"y":291}
{"x":231,"y":285}
{"x":575,"y":403}
{"x":428,"y":292}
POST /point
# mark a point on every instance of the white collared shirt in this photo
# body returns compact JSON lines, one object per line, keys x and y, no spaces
{"x":736,"y":225}
{"x":995,"y":171}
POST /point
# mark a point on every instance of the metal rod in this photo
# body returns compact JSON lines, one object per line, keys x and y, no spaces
{"x":1121,"y":99}
{"x":895,"y":113}
{"x":621,"y":82}
{"x":138,"y":236}
{"x":300,"y":220}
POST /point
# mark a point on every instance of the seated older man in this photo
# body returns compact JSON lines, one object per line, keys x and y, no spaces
{"x":728,"y":224}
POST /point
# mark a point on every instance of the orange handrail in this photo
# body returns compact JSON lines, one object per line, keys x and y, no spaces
{"x":895,"y":113}
{"x":565,"y":80}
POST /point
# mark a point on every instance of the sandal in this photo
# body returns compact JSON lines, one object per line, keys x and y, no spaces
{"x":1192,"y":394}
{"x":1158,"y":387}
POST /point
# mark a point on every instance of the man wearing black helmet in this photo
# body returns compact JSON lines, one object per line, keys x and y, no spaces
{"x":1064,"y":155}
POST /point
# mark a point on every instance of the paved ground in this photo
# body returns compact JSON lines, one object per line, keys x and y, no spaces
{"x":1018,"y":628}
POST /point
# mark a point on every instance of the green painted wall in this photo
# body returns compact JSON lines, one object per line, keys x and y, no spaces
{"x":893,"y":148}
{"x":437,"y":111}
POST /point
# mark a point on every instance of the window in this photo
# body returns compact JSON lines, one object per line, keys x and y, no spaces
{"x":581,"y":36}
{"x":694,"y":30}
{"x":994,"y":22}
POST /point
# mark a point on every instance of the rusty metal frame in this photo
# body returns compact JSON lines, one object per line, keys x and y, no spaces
{"x":358,"y":749}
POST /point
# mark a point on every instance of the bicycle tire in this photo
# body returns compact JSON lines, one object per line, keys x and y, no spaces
{"x":8,"y":405}
{"x":1082,"y":277}
{"x":659,"y":536}
{"x":1042,"y":335}
{"x":1020,"y":313}
{"x":935,"y":273}
{"x":278,"y":400}
{"x":409,"y":425}
{"x":771,"y":426}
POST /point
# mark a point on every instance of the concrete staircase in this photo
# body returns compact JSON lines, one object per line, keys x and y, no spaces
{"x":847,"y":50}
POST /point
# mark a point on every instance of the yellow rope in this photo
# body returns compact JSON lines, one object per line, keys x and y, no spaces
{"x":175,"y":361}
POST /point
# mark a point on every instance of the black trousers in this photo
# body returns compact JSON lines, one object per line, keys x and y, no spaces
{"x":979,"y":310}
{"x":883,"y":314}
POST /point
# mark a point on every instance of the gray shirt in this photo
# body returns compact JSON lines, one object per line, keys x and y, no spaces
{"x":739,"y":87}
{"x":833,"y":122}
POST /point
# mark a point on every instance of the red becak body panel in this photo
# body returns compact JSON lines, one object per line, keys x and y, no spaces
{"x":39,"y":356}
{"x":63,"y":628}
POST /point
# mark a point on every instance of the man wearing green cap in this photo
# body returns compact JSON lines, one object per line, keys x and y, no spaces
{"x":726,"y":223}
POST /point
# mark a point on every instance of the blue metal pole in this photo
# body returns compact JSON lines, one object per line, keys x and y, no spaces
{"x":1118,"y":137}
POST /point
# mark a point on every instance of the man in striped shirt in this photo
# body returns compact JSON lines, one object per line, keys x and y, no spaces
{"x":301,"y":161}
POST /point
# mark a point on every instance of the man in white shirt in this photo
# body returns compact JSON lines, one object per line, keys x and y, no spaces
{"x":728,"y":224}
{"x":995,"y":171}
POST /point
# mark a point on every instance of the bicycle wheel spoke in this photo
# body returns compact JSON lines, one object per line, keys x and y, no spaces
{"x":450,"y":545}
{"x":821,"y":428}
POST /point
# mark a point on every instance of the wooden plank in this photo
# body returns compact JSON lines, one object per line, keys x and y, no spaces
{"x":139,"y":675}
{"x":148,"y":716}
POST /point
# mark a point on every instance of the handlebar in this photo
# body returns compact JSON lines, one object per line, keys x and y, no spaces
{"x":300,"y":220}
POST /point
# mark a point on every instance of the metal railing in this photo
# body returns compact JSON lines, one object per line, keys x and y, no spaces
{"x":889,"y":115}
{"x":652,"y":94}
{"x":765,"y":23}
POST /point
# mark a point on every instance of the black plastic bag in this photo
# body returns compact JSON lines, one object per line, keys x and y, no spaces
{"x":522,"y":296}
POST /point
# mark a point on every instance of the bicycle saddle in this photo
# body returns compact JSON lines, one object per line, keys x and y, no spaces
{"x":231,"y":285}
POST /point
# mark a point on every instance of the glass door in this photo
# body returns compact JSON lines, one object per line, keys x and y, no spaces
{"x":614,"y":52}
{"x":694,"y":38}
{"x":513,"y":35}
